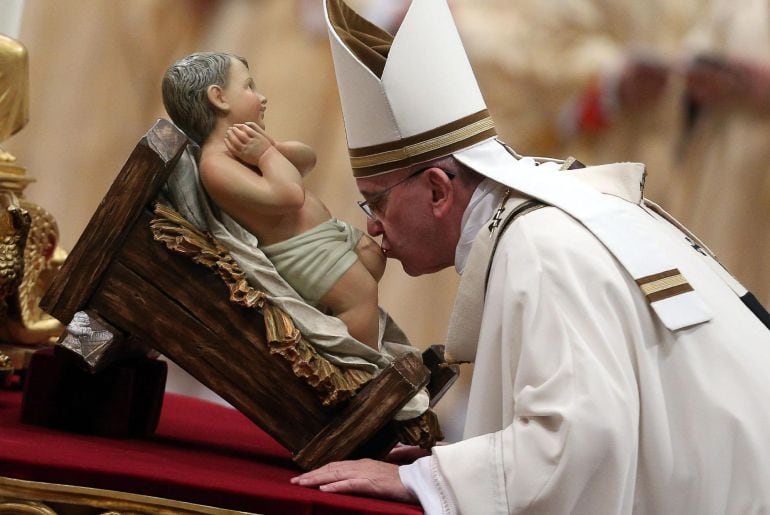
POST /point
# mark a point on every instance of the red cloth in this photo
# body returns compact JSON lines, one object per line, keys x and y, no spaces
{"x":124,"y":400}
{"x":201,"y":453}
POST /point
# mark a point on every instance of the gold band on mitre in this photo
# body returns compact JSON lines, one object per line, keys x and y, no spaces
{"x":432,"y":144}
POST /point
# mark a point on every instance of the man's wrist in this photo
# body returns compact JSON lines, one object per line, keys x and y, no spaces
{"x":417,"y":478}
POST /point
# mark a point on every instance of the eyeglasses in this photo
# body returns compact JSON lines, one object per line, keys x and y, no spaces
{"x":371,"y":206}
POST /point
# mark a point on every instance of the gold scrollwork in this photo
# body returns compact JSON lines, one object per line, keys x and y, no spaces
{"x":22,"y":497}
{"x":25,"y":507}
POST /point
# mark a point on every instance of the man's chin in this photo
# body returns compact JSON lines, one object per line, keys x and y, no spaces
{"x":415,"y":271}
{"x":409,"y":268}
{"x":412,"y":273}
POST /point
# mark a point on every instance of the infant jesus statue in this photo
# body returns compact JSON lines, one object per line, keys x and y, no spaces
{"x":259,"y":183}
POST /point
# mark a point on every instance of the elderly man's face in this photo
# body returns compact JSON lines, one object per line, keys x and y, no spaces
{"x":405,"y":218}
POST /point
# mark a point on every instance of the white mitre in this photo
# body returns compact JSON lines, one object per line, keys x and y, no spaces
{"x":409,"y":98}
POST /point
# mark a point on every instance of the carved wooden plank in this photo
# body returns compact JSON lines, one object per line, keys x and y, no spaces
{"x":193,"y":286}
{"x":141,"y":309}
{"x":205,"y":297}
{"x":442,"y":375}
{"x":235,"y":324}
{"x":263,"y":398}
{"x":138,"y":182}
{"x":367,"y":413}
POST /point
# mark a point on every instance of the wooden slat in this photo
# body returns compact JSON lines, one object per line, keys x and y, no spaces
{"x":368,"y":412}
{"x":245,"y":347}
{"x":205,"y":297}
{"x":138,"y":182}
{"x":246,"y":382}
{"x":442,"y":376}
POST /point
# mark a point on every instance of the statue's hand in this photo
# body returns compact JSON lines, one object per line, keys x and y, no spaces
{"x":247,"y":143}
{"x":255,"y":127}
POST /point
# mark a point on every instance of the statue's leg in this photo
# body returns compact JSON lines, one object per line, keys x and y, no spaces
{"x":371,"y":256}
{"x":353,"y":299}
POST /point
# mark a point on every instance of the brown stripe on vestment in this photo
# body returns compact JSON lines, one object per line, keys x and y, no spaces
{"x":664,"y":285}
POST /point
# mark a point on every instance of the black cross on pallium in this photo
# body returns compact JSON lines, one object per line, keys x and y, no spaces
{"x":696,"y":246}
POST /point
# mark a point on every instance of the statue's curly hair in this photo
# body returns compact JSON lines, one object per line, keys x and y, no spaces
{"x":185,"y":86}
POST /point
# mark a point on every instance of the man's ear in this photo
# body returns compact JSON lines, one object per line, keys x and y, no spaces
{"x":215,"y":94}
{"x":442,"y":191}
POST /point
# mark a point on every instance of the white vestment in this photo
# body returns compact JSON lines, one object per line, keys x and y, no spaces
{"x":582,"y":401}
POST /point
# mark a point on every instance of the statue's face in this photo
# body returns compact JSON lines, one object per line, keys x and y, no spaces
{"x":246,"y":103}
{"x":14,"y":86}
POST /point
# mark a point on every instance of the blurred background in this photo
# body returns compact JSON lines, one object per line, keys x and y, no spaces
{"x":682,"y":86}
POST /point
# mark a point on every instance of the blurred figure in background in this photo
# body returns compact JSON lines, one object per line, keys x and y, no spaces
{"x":681,"y":86}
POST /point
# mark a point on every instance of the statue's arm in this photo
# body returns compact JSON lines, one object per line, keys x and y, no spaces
{"x":301,"y":155}
{"x":275,"y":188}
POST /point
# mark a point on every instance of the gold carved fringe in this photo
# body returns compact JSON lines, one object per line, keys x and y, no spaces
{"x":332,"y":383}
{"x":21,"y":497}
{"x":423,"y":430}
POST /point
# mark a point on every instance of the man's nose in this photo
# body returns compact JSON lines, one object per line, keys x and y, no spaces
{"x":373,"y":227}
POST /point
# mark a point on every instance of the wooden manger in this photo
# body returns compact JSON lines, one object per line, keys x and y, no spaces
{"x":120,"y":273}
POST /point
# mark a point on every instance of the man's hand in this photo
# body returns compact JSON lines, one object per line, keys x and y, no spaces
{"x":247,"y":143}
{"x":363,"y":477}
